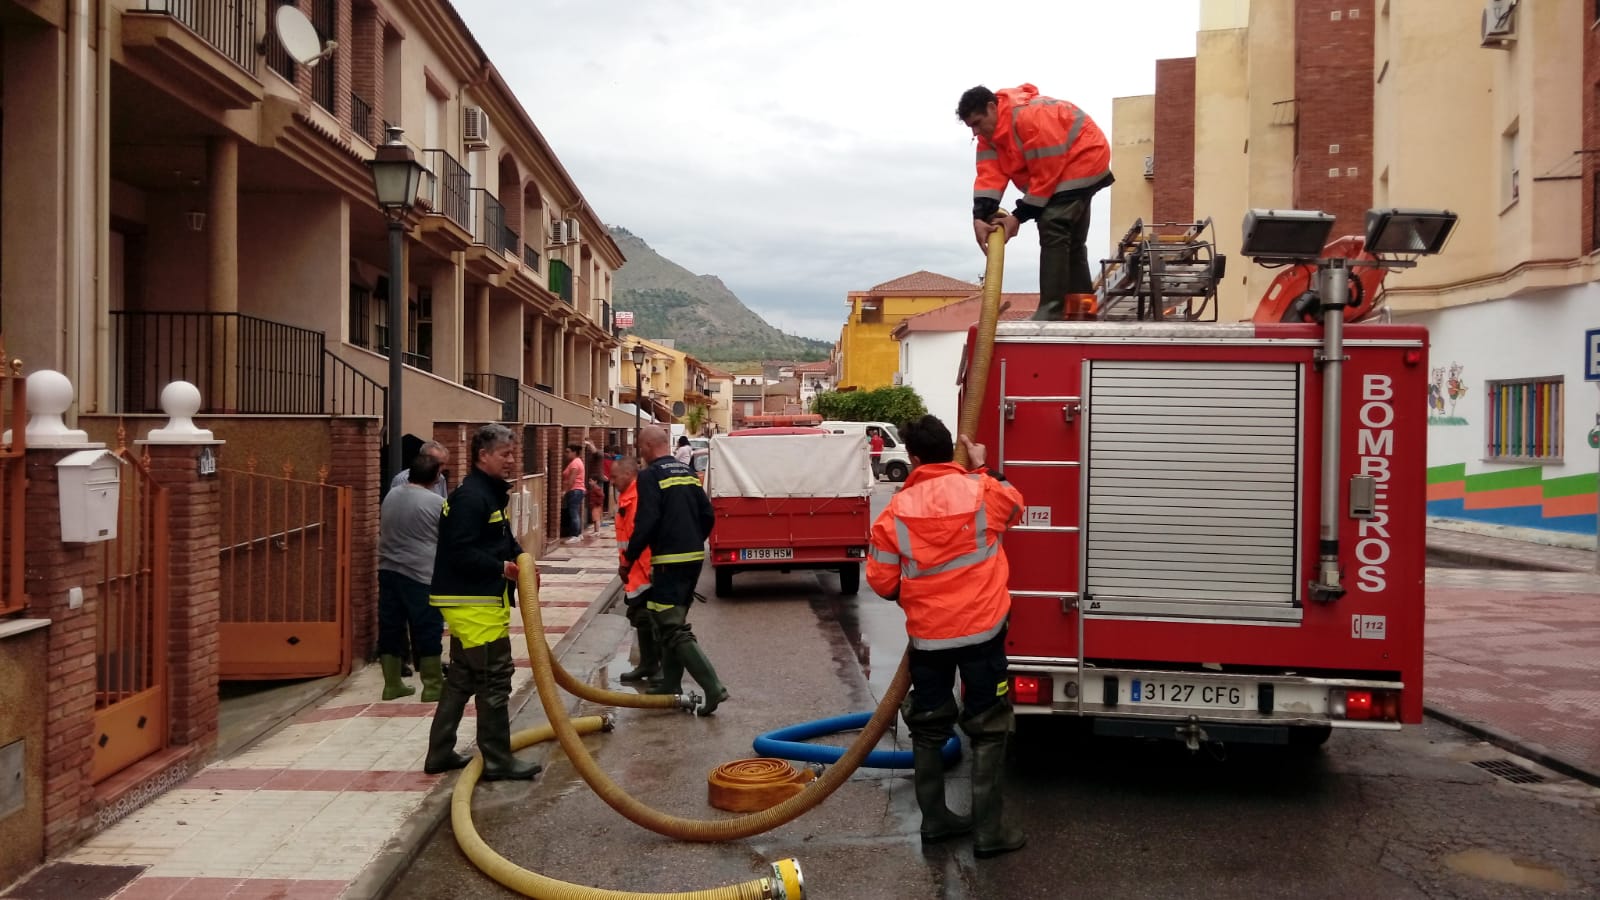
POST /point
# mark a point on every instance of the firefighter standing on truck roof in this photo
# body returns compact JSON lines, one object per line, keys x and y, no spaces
{"x":936,"y":551}
{"x":1056,"y":155}
{"x":673,"y":522}
{"x":474,"y":579}
{"x":636,"y":579}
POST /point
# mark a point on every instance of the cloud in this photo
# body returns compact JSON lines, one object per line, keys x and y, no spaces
{"x":803,"y":151}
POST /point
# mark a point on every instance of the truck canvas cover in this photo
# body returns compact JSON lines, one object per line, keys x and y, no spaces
{"x":790,"y":465}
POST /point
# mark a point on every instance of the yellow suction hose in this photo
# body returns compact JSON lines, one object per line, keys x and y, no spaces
{"x":784,"y":883}
{"x":755,"y":823}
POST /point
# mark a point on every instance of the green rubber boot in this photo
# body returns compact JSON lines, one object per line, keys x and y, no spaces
{"x":432,"y":679}
{"x":393,"y":687}
{"x":929,"y":731}
{"x":693,"y":658}
{"x":649,"y":655}
{"x":988,"y":731}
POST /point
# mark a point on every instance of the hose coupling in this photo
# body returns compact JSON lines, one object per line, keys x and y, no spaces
{"x":689,"y":701}
{"x":608,"y":722}
{"x":787,"y":882}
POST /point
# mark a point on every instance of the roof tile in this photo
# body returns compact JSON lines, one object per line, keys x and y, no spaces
{"x":959,"y":315}
{"x":932,"y":282}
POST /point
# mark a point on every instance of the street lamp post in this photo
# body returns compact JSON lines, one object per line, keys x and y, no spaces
{"x":638,"y":355}
{"x":396,"y":177}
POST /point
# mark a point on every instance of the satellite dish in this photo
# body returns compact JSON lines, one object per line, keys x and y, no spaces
{"x":678,"y":408}
{"x":299,"y":37}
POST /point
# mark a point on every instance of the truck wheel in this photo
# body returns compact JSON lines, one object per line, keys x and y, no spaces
{"x":724,"y":582}
{"x":897,"y":471}
{"x":850,"y":579}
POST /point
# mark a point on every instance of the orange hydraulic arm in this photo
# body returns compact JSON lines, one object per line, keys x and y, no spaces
{"x":1288,"y":298}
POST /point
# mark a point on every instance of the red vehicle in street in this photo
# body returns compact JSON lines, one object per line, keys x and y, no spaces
{"x":789,"y":498}
{"x":1223,"y":536}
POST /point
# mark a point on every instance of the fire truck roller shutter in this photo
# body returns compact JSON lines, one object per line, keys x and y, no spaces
{"x":1193,"y":489}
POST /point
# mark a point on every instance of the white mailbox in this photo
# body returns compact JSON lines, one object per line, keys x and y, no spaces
{"x":91,"y":487}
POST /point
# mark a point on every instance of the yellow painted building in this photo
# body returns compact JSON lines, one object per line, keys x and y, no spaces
{"x":868,"y":357}
{"x":663,"y":376}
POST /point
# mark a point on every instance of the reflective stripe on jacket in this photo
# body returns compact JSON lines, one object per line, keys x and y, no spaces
{"x":674,"y":515}
{"x":639,"y":573}
{"x":937,"y":546}
{"x":1043,"y":145}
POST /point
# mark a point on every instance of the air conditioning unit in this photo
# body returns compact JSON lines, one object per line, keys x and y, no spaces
{"x":558,"y":232}
{"x":572,"y":230}
{"x":474,"y":128}
{"x":1149,"y":167}
{"x":1499,"y":24}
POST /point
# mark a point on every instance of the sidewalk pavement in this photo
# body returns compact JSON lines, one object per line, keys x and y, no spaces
{"x":307,"y":811}
{"x":1513,"y":656}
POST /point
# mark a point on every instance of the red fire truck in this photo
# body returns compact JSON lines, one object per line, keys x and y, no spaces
{"x":1223,"y":534}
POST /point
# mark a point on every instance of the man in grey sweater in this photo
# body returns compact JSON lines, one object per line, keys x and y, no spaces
{"x":408,"y":537}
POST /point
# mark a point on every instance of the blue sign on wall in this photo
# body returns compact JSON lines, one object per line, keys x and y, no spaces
{"x":1591,"y":355}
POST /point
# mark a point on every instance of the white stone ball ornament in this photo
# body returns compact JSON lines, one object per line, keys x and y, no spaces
{"x":50,"y":395}
{"x":180,"y":400}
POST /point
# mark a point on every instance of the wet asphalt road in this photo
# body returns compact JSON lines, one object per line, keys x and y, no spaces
{"x":1371,"y":815}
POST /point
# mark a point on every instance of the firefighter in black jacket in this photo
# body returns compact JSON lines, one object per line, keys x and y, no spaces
{"x":673,"y":522}
{"x":474,"y":581}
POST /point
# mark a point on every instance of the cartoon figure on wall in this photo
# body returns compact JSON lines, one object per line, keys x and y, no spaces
{"x":1445,"y":389}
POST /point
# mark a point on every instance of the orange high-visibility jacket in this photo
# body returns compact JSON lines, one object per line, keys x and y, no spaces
{"x":937,"y":546}
{"x":639,"y":575}
{"x":1043,"y":145}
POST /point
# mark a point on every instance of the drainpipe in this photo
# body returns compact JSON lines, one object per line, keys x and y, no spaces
{"x":1335,"y":293}
{"x":79,"y":172}
{"x":102,"y":215}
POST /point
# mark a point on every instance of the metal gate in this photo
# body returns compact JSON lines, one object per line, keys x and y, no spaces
{"x":1193,"y":486}
{"x":130,"y":699}
{"x":285,"y":576}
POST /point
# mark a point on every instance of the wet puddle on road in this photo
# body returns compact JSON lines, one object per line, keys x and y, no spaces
{"x":1491,"y":866}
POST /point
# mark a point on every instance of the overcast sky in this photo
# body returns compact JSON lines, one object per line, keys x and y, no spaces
{"x":802,"y":151}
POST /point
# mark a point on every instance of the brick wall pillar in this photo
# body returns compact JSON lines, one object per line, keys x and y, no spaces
{"x":194,"y":596}
{"x":1591,"y":131}
{"x":357,"y":464}
{"x":1172,"y":190}
{"x":52,"y":570}
{"x":1333,"y":91}
{"x":366,"y":77}
{"x":550,"y":451}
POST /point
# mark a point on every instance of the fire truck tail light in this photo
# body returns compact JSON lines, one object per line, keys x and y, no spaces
{"x":1336,"y":704}
{"x":1358,"y":705}
{"x":1034,"y":690}
{"x":1412,"y":357}
{"x":1386,"y":706}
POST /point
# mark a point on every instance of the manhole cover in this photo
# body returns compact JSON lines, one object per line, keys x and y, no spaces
{"x":1510,"y":771}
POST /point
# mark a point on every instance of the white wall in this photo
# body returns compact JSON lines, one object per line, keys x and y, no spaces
{"x":930,"y":362}
{"x":1536,"y":335}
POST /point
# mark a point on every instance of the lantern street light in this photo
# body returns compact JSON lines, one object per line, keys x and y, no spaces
{"x":396,"y":178}
{"x":638,"y":353}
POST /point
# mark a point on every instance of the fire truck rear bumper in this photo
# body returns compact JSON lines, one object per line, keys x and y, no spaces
{"x":1148,"y":702}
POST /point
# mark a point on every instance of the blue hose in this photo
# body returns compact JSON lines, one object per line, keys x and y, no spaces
{"x":789,"y":743}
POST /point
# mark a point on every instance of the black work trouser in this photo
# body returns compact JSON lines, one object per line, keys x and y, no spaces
{"x":1063,"y":256}
{"x":671,"y":594}
{"x":985,"y":677}
{"x":482,"y":673}
{"x":406,"y":623}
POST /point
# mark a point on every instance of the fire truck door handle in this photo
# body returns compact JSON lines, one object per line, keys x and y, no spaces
{"x":1010,"y":408}
{"x":1070,"y":411}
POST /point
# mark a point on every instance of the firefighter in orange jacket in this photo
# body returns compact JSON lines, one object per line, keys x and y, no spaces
{"x":624,"y":473}
{"x":1056,"y":155}
{"x":936,"y":551}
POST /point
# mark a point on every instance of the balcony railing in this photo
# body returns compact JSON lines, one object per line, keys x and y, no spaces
{"x":530,"y":257}
{"x":240,"y":363}
{"x":448,"y":187}
{"x":361,"y":118}
{"x":532,"y":408}
{"x":502,"y":387}
{"x":228,"y":25}
{"x":561,"y":280}
{"x":511,"y":242}
{"x":350,"y":392}
{"x":278,"y":58}
{"x":488,"y":220}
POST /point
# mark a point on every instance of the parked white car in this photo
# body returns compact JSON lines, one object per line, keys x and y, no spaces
{"x":896,"y":462}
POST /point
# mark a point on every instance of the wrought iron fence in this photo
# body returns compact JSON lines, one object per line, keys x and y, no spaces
{"x":530,"y":257}
{"x":278,"y":58}
{"x":361,"y":118}
{"x":240,"y":363}
{"x":511,"y":242}
{"x":324,"y":77}
{"x":447,"y":187}
{"x":502,"y":387}
{"x":228,"y":25}
{"x":349,"y":391}
{"x":488,"y":220}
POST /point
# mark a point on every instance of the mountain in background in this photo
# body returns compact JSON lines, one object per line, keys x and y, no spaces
{"x":697,"y":312}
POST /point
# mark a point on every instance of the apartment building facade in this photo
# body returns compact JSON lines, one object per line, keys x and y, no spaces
{"x":189,"y":202}
{"x":1485,"y":108}
{"x":866,"y":356}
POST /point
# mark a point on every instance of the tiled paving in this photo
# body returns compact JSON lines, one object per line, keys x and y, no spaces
{"x":1486,"y":552}
{"x":303,"y":812}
